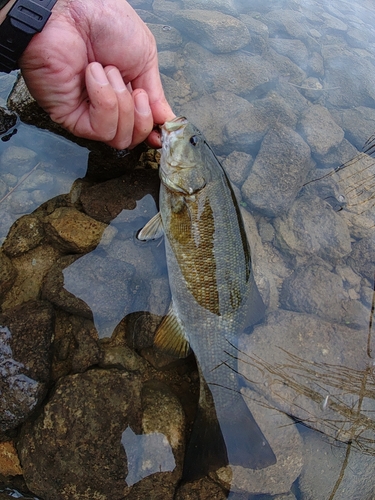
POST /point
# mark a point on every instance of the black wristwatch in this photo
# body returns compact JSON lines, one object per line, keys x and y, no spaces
{"x":23,"y":21}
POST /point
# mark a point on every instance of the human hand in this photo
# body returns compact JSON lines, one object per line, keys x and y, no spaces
{"x":94,"y":69}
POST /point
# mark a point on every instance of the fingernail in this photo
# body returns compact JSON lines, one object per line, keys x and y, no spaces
{"x":141,"y":103}
{"x":98,"y":73}
{"x":115,"y":79}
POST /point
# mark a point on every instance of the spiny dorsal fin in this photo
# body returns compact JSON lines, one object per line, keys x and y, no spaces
{"x":152,"y":230}
{"x":170,"y":336}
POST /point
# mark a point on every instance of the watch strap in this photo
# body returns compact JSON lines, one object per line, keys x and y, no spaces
{"x":23,"y":21}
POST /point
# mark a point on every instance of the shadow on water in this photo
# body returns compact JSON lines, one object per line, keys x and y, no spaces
{"x":89,"y":406}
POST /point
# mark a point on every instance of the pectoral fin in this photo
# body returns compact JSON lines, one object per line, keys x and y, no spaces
{"x":152,"y":230}
{"x":170,"y":336}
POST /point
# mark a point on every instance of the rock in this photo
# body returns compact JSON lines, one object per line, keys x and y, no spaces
{"x":31,"y":268}
{"x":362,"y":258}
{"x":72,"y":231}
{"x":237,"y":73}
{"x":287,"y":447}
{"x":25,"y":354}
{"x":76,"y":345}
{"x":284,"y":21}
{"x":223,"y":6}
{"x":278,"y":172}
{"x":326,"y":467}
{"x":285,"y":67}
{"x":237,"y":166}
{"x":106,"y":200}
{"x":18,"y":160}
{"x":107,"y":287}
{"x":122,"y":358}
{"x":167,"y":61}
{"x":81,"y":426}
{"x":294,"y":49}
{"x":312,"y":227}
{"x":213,"y":30}
{"x":167,"y":37}
{"x":202,"y":489}
{"x":313,"y":370}
{"x":7,"y":120}
{"x":166,"y":9}
{"x":25,"y":234}
{"x":8,"y":274}
{"x":315,"y":290}
{"x":358,"y":123}
{"x":210,"y":114}
{"x":319,"y":130}
{"x":9,"y":461}
{"x":349,"y":89}
{"x":258,"y":32}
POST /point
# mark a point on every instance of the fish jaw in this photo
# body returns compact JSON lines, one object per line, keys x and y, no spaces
{"x":180,"y":158}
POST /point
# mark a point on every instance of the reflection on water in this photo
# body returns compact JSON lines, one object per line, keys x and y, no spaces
{"x":284,"y":93}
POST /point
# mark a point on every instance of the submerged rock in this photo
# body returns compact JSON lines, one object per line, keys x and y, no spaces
{"x":92,"y":426}
{"x":312,"y":227}
{"x":25,"y":360}
{"x":278,"y":172}
{"x":217,"y":32}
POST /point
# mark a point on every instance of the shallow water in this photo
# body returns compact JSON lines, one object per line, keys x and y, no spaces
{"x":285,"y":95}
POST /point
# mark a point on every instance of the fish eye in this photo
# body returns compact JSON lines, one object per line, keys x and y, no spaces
{"x":194,"y":140}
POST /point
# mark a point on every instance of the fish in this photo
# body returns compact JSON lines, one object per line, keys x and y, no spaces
{"x":214,"y":296}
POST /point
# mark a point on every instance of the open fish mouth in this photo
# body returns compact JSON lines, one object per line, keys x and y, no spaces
{"x":171,"y":132}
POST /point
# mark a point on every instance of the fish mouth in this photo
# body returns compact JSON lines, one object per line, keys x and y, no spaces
{"x":174,"y":125}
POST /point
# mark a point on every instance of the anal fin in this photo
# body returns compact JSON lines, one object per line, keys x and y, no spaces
{"x":152,"y":230}
{"x":170,"y":336}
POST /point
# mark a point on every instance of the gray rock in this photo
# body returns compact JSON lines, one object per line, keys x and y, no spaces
{"x":237,"y":73}
{"x":212,"y":113}
{"x":285,"y":67}
{"x":312,"y":227}
{"x":25,"y":234}
{"x":294,"y":49}
{"x":25,"y":360}
{"x":258,"y":32}
{"x":167,"y":61}
{"x":224,"y":6}
{"x":217,"y":32}
{"x":109,"y":287}
{"x":18,"y":160}
{"x":348,"y":88}
{"x":166,"y":9}
{"x":314,"y":289}
{"x":358,"y":123}
{"x":362,"y":258}
{"x":167,"y":37}
{"x":315,"y":371}
{"x":332,"y":24}
{"x":320,"y":130}
{"x":237,"y":166}
{"x":326,"y":466}
{"x":278,"y":172}
{"x":316,"y":64}
{"x":286,"y":22}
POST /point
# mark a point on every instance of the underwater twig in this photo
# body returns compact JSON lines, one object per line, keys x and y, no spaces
{"x":310,"y":88}
{"x":20,"y":182}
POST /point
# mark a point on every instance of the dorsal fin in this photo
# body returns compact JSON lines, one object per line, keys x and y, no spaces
{"x":170,"y":336}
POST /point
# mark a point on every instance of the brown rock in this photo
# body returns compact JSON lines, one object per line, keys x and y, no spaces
{"x":31,"y":268}
{"x":72,"y":231}
{"x":9,"y":461}
{"x":25,"y":234}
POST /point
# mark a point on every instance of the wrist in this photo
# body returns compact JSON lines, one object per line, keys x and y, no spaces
{"x":23,"y":19}
{"x":4,"y":10}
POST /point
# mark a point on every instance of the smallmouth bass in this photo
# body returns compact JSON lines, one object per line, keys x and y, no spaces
{"x":214,"y":296}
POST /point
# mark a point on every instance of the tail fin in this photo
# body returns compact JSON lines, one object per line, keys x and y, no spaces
{"x":225,"y":436}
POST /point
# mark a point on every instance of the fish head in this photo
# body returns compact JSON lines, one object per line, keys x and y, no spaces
{"x":182,"y":165}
